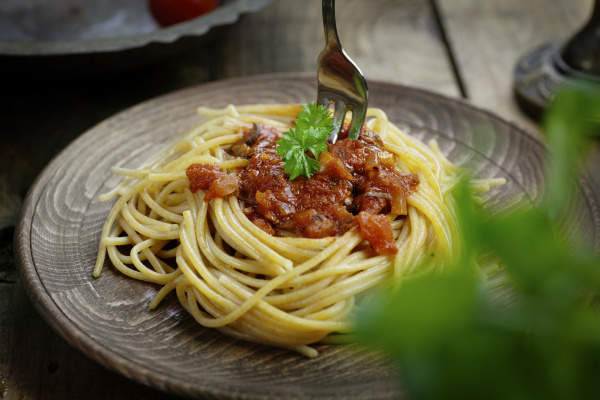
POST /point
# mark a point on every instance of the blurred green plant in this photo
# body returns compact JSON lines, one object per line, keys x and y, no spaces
{"x":449,"y":333}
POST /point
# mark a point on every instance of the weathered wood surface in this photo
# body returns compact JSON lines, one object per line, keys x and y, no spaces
{"x":487,"y":38}
{"x":397,"y":41}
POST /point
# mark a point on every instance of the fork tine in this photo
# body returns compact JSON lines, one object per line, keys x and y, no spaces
{"x":338,"y":120}
{"x":323,"y":101}
{"x":358,"y":118}
{"x":339,"y":79}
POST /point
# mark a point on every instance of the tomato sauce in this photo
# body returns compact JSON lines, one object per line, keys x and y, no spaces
{"x":357,"y":185}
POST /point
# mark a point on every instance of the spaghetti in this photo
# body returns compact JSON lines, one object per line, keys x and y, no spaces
{"x":232,"y":273}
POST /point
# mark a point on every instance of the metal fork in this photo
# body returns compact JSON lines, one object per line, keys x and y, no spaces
{"x":339,"y":80}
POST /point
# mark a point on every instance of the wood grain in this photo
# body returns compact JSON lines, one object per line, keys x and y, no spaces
{"x":395,"y":41}
{"x":487,"y":39}
{"x":107,"y":318}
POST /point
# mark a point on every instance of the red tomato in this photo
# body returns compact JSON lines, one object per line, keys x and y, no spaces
{"x":170,"y":12}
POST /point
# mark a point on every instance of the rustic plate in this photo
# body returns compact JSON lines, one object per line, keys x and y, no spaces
{"x":108,"y":318}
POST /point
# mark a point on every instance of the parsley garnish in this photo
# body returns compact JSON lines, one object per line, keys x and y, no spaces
{"x":313,"y":127}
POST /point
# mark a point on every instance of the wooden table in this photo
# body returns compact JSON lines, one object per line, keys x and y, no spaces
{"x":460,"y":48}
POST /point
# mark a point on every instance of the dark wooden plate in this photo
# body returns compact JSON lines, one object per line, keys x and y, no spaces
{"x":108,"y":318}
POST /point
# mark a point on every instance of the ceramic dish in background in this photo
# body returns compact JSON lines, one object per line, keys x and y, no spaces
{"x":108,"y":318}
{"x":90,"y":36}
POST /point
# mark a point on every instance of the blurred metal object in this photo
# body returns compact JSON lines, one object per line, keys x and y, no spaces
{"x":340,"y":81}
{"x":97,"y":36}
{"x":539,"y":75}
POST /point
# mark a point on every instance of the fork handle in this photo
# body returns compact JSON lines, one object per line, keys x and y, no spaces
{"x":331,"y":36}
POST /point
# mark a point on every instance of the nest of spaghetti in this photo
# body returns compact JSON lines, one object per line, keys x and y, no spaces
{"x":215,"y":219}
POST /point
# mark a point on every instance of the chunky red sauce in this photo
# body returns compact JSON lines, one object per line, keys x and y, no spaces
{"x":357,"y":184}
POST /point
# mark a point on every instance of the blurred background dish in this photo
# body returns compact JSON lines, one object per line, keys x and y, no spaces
{"x":93,"y":36}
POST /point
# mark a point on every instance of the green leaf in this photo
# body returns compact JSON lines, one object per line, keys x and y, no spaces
{"x":536,"y":338}
{"x":573,"y":118}
{"x":313,"y":127}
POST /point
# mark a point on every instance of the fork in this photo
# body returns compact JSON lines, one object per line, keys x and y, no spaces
{"x":339,"y":80}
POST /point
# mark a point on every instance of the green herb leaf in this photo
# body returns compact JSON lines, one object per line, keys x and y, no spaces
{"x":572,"y":120}
{"x":538,"y":337}
{"x":313,"y":127}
